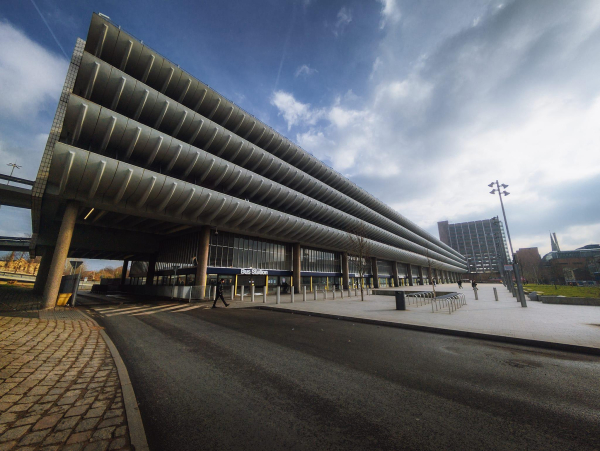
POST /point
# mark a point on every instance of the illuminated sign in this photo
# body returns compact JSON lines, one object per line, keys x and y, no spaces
{"x":253,"y":272}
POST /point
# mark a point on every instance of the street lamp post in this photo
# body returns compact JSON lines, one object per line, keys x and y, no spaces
{"x":514,"y":259}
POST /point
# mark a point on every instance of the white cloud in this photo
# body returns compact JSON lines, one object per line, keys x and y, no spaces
{"x":293,"y":111}
{"x":515,"y":98}
{"x":30,"y":76}
{"x":344,"y":17}
{"x":305,"y":70}
{"x":390,"y":12}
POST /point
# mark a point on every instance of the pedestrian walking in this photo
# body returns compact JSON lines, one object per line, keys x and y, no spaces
{"x":474,"y":285}
{"x":220,"y":294}
{"x":460,"y":284}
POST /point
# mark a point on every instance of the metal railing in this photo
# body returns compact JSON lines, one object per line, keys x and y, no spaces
{"x":451,"y":301}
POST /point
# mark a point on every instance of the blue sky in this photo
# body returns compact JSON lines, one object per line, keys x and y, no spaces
{"x":423,"y":103}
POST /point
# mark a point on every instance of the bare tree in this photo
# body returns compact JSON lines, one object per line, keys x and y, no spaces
{"x":430,"y":266}
{"x":361,"y":249}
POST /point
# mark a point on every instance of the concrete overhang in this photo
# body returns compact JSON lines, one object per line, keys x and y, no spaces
{"x":14,"y":196}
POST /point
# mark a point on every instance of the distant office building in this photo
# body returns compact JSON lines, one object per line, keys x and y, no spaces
{"x":581,"y":265}
{"x":530,"y":261}
{"x":483,"y":243}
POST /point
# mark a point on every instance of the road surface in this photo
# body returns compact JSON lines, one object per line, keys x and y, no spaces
{"x":242,"y":379}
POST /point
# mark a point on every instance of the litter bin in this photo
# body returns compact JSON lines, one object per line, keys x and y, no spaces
{"x":67,"y":293}
{"x":400,"y":300}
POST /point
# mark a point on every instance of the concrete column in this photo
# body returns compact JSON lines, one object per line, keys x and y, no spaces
{"x":375,"y":272}
{"x":296,"y":268}
{"x":43,"y":270}
{"x":203,"y":256}
{"x":151,"y":271}
{"x":409,"y":273}
{"x":345,"y":271}
{"x":61,"y":250}
{"x":420,"y":269}
{"x":395,"y":274}
{"x":124,"y":271}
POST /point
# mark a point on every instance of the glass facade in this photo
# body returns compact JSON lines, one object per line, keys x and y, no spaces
{"x":354,"y":265}
{"x":384,"y":268}
{"x":228,"y":250}
{"x":320,"y":261}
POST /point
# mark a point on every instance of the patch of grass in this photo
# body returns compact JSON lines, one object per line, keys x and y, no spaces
{"x":563,"y":290}
{"x":6,"y":286}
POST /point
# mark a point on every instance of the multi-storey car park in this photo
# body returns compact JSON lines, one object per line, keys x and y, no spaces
{"x":147,"y":164}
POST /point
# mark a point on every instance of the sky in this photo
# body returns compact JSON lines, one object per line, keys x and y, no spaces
{"x":422,"y":103}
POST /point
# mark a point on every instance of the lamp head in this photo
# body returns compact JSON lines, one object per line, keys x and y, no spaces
{"x":504,"y":186}
{"x":506,"y":193}
{"x":493,"y":191}
{"x":491,"y":185}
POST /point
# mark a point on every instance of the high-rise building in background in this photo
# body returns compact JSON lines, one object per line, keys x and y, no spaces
{"x":483,"y":243}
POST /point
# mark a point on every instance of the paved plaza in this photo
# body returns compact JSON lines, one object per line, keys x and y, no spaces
{"x":569,"y":324}
{"x":59,"y":387}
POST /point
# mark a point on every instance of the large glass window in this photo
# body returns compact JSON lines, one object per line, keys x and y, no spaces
{"x":320,"y":261}
{"x":354,"y":265}
{"x":230,"y":251}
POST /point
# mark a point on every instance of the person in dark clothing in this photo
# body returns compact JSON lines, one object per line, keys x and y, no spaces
{"x":460,"y":284}
{"x":220,"y":294}
{"x":474,"y":285}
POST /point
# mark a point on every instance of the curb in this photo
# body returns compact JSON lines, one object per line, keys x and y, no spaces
{"x":458,"y":333}
{"x":137,"y":434}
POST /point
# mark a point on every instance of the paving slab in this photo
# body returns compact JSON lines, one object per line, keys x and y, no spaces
{"x":561,"y":324}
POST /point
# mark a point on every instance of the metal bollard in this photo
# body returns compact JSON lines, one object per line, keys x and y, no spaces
{"x":214,"y":292}
{"x":342,"y":293}
{"x":292,"y":294}
{"x":304,"y":293}
{"x":242,"y":294}
{"x":315,"y":292}
{"x":278,"y":295}
{"x":333,"y":292}
{"x":349,"y":295}
{"x":495,"y":293}
{"x":265,"y":294}
{"x":233,"y":292}
{"x":355,"y":291}
{"x":475,"y":291}
{"x":252,"y":293}
{"x":325,"y":293}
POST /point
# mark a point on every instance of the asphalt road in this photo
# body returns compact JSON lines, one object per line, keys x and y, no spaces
{"x":247,"y":379}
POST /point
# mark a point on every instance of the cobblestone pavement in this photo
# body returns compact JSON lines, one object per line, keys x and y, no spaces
{"x":59,"y":387}
{"x":19,"y":301}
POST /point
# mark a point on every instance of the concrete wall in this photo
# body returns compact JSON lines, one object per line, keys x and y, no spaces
{"x":569,"y":301}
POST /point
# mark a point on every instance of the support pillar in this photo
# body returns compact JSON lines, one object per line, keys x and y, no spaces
{"x":43,"y":270}
{"x":375,"y":272}
{"x":124,"y":271}
{"x":202,"y":253}
{"x":395,"y":274}
{"x":61,"y":250}
{"x":345,"y":271}
{"x":420,"y":270}
{"x":410,"y":275}
{"x":296,"y":268}
{"x":151,"y":271}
